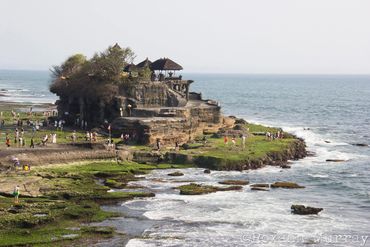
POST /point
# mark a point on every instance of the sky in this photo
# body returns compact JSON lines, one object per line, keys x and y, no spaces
{"x":210,"y":36}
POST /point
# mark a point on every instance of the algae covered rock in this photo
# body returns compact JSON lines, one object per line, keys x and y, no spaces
{"x":176,"y":174}
{"x":286,"y":185}
{"x":114,"y":184}
{"x":198,"y":189}
{"x":234,"y":182}
{"x":303,"y":210}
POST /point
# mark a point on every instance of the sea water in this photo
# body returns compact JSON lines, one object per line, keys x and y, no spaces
{"x":25,"y":86}
{"x":330,"y":112}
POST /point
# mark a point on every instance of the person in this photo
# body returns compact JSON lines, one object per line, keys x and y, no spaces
{"x":233,"y":141}
{"x":158,"y":144}
{"x":129,"y":109}
{"x":226,"y":141}
{"x":268,"y":136}
{"x":16,"y":194}
{"x":32,"y":145}
{"x":74,"y":137}
{"x":91,"y":137}
{"x":26,"y":167}
{"x":54,"y":138}
{"x":177,"y":147}
{"x":243,"y":140}
{"x":16,"y":135}
{"x":16,"y":162}
{"x":21,"y":142}
{"x":87,"y":137}
{"x":7,"y":141}
{"x":45,"y":140}
{"x":94,"y":136}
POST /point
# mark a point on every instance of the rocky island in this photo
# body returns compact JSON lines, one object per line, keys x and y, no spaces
{"x":115,"y":120}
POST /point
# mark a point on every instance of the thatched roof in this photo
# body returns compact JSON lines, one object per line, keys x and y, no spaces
{"x":130,"y":68}
{"x":143,"y":64}
{"x":165,"y":64}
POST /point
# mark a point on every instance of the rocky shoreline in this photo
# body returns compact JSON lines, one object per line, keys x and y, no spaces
{"x":68,"y":183}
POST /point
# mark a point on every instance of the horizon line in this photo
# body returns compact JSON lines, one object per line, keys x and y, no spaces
{"x":225,"y":73}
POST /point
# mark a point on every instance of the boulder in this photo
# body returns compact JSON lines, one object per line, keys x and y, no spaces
{"x":208,"y":171}
{"x":240,"y":121}
{"x":234,"y":182}
{"x":360,"y":144}
{"x":286,"y":185}
{"x":303,"y":210}
{"x":260,"y":185}
{"x":285,"y":166}
{"x":176,"y":174}
{"x":335,"y":160}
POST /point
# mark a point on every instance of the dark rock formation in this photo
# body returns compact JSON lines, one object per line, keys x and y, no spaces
{"x":286,"y":185}
{"x":303,"y":210}
{"x":234,"y":182}
{"x":285,"y":166}
{"x":207,"y":171}
{"x":198,"y":189}
{"x":335,"y":160}
{"x":260,"y":186}
{"x":360,"y":144}
{"x":176,"y":174}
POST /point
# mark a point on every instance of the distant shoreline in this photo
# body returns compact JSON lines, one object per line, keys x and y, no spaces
{"x":6,"y":105}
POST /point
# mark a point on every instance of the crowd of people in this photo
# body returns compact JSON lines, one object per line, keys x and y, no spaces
{"x":243,"y":139}
{"x":272,"y":136}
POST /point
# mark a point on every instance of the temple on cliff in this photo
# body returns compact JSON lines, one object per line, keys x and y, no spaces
{"x":160,"y":107}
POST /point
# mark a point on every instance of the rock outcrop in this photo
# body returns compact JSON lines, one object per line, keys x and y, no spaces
{"x":286,"y":185}
{"x":303,"y":210}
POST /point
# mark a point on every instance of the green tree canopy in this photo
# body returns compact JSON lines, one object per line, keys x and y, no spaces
{"x":96,"y":79}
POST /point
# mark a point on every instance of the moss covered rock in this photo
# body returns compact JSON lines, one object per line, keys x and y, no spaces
{"x":198,"y":189}
{"x":286,"y":185}
{"x":234,"y":182}
{"x":176,"y":174}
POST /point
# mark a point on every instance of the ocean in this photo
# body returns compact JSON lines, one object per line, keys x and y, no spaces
{"x":26,"y":86}
{"x":331,"y":112}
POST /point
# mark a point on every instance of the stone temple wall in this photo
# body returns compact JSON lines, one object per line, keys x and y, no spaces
{"x":180,"y":128}
{"x":155,"y":94}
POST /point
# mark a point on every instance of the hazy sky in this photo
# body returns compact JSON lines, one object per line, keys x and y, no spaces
{"x":243,"y":36}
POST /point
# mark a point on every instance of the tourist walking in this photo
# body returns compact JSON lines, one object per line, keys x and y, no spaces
{"x":54,"y":138}
{"x":32,"y":145}
{"x":74,"y":137}
{"x":158,"y":144}
{"x":16,"y":194}
{"x":7,"y":141}
{"x":226,"y":141}
{"x":243,"y":140}
{"x":233,"y":141}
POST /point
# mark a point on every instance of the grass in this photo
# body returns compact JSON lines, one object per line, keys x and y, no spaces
{"x":215,"y":154}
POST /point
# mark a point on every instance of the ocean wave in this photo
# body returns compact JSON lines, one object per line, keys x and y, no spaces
{"x":318,"y":175}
